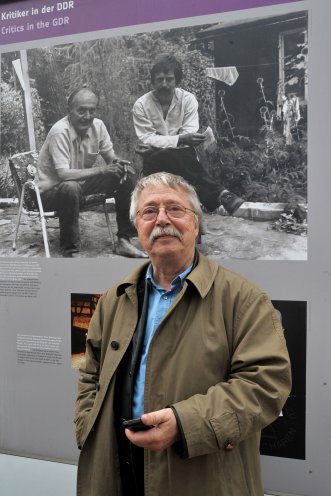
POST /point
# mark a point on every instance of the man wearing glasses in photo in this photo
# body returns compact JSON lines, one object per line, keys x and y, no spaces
{"x":186,"y":362}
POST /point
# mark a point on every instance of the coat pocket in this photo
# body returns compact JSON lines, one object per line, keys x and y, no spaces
{"x":81,"y":421}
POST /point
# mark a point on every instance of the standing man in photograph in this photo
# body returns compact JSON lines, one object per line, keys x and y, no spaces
{"x":194,"y":350}
{"x":66,"y":173}
{"x":166,"y":122}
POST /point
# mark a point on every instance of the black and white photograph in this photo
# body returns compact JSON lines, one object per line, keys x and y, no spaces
{"x":224,"y":105}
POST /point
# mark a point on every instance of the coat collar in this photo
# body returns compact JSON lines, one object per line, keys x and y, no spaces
{"x":131,"y":280}
{"x":201,"y":277}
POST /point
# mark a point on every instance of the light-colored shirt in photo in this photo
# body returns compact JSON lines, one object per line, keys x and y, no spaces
{"x":65,"y":149}
{"x":155,"y":130}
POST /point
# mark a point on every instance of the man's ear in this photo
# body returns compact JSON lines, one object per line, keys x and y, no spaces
{"x":197,"y":228}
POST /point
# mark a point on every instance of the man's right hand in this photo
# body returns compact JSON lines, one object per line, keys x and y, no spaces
{"x":143,"y":149}
{"x":191,"y":139}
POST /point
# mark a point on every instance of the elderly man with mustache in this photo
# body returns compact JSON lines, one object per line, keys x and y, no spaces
{"x":191,"y":350}
{"x":66,"y":173}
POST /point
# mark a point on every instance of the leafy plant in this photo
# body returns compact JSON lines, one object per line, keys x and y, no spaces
{"x":7,"y":187}
{"x":289,"y":223}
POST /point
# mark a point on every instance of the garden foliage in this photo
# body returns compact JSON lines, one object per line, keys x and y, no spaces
{"x":118,"y":70}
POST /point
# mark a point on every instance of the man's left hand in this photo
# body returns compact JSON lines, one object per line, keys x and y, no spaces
{"x":163,"y":434}
{"x":123,"y":165}
{"x":120,"y":167}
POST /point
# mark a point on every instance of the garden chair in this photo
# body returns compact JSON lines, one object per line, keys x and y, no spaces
{"x":23,"y":168}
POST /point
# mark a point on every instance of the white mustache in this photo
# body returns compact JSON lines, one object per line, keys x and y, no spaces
{"x":164,"y":231}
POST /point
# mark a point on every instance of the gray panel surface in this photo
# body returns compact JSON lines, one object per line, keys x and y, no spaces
{"x":37,"y":400}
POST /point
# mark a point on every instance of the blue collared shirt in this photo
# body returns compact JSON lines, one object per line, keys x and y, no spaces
{"x":159,"y":302}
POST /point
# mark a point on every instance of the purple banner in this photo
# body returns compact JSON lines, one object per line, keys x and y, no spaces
{"x":34,"y":20}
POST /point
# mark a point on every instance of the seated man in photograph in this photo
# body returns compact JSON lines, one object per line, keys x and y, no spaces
{"x":66,"y":173}
{"x":166,"y":122}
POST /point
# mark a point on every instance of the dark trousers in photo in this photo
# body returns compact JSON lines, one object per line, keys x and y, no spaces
{"x":184,"y":162}
{"x":67,"y":198}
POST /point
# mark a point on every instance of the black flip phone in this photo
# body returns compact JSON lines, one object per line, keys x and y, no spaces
{"x":136,"y":425}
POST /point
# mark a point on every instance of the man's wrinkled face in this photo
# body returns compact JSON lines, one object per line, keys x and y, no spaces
{"x":164,"y":235}
{"x":82,"y":111}
{"x":164,"y":84}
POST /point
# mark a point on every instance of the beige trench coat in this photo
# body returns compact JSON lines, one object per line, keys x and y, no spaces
{"x":219,"y":356}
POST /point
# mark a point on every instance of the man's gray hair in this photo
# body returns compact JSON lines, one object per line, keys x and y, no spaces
{"x":169,"y":180}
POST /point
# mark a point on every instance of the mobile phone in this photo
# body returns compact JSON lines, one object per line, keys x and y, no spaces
{"x":136,"y":425}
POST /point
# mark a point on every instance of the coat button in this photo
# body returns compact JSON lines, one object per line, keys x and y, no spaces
{"x":115,"y":345}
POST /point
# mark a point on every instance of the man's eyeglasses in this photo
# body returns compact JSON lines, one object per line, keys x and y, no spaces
{"x":173,"y":211}
{"x":83,"y":112}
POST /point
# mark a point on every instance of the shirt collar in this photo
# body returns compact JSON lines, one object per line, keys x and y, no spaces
{"x":74,"y":135}
{"x":175,"y":97}
{"x":177,"y":282}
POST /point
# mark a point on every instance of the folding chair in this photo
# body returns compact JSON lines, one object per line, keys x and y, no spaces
{"x":23,"y":168}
